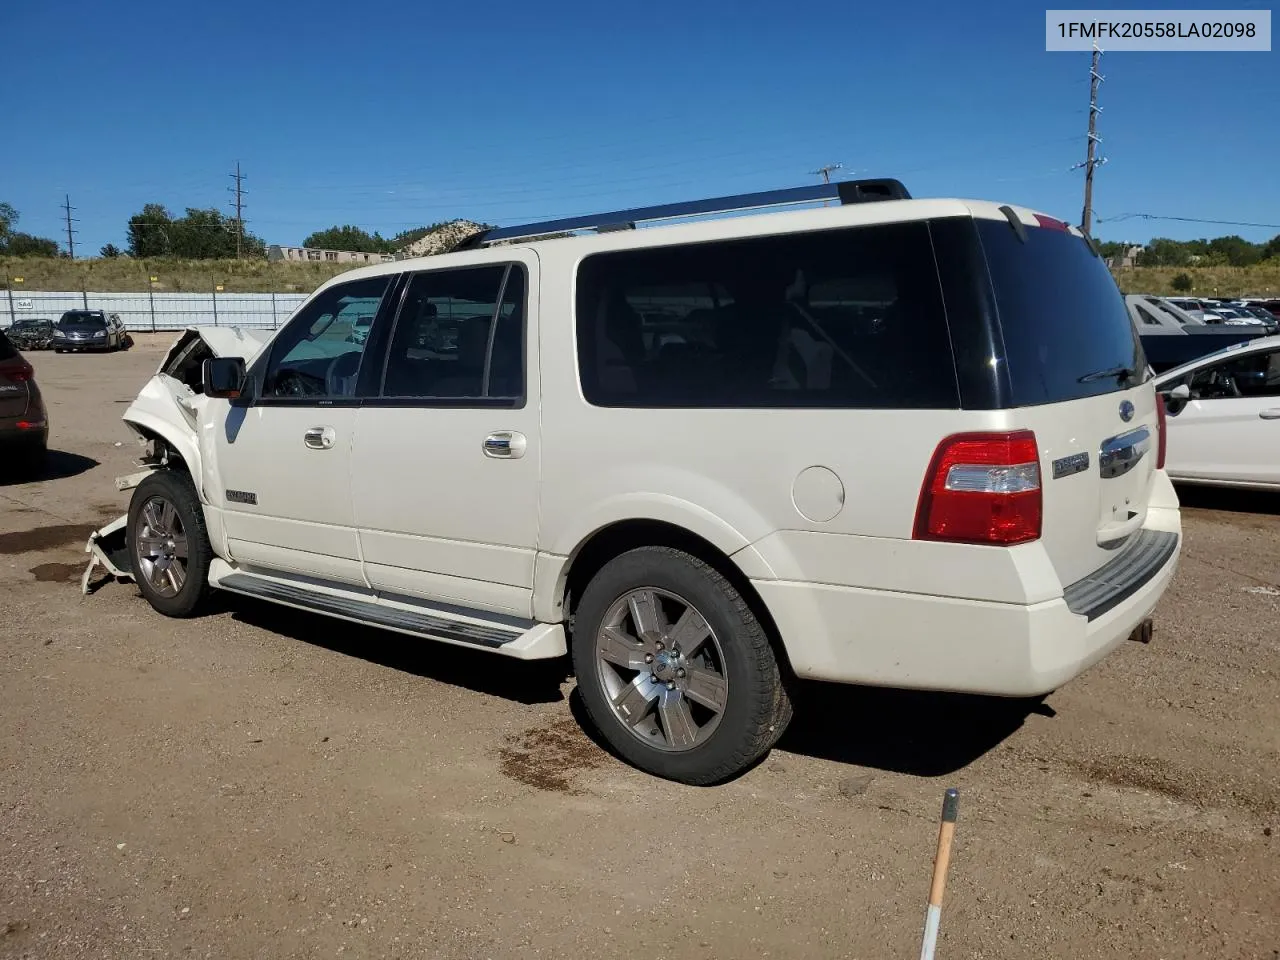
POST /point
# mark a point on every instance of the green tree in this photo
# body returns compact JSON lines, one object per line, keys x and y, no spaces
{"x":148,"y":232}
{"x":349,"y":238}
{"x":8,"y":217}
{"x":1163,"y":252}
{"x":110,"y":251}
{"x":1183,"y":283}
{"x":197,"y":235}
{"x":1271,"y":250}
{"x":17,"y":244}
{"x":1237,"y":251}
{"x":25,"y":245}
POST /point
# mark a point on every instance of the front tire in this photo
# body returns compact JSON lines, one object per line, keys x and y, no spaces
{"x":169,"y":546}
{"x":674,"y":668}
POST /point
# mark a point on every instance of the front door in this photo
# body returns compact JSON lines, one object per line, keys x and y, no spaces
{"x":1230,"y":428}
{"x":284,"y":458}
{"x":446,"y":461}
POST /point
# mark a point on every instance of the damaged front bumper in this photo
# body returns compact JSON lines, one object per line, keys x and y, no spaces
{"x":164,"y":417}
{"x":108,"y":548}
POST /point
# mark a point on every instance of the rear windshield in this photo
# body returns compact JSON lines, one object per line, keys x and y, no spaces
{"x":82,"y":320}
{"x":1066,"y":330}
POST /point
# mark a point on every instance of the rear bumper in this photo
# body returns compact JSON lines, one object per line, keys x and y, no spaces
{"x":11,"y":437}
{"x":897,"y":639}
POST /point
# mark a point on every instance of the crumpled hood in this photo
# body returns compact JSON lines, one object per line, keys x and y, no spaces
{"x":243,"y":342}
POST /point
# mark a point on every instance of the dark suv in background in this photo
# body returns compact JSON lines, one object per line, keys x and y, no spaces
{"x":24,"y":425}
{"x":89,"y":330}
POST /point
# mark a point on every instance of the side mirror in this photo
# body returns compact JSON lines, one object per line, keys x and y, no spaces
{"x":223,"y":377}
{"x":1180,"y":392}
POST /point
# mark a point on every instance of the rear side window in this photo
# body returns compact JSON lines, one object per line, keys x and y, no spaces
{"x":460,"y":336}
{"x":839,"y":319}
{"x":7,"y":351}
{"x":1064,"y":321}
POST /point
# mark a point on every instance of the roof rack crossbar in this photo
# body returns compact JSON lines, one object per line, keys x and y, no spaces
{"x":847,"y":191}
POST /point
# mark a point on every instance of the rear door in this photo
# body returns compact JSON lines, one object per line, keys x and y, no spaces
{"x":13,"y":381}
{"x":1076,"y":375}
{"x":446,"y":457}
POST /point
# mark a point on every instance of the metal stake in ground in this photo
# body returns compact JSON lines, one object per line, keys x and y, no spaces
{"x":933,"y":913}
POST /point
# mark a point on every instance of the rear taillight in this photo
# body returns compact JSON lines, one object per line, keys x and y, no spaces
{"x":982,"y":488}
{"x":17,"y":370}
{"x":1162,"y":427}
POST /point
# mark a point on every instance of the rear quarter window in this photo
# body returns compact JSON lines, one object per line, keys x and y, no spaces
{"x":849,"y":318}
{"x":1061,"y":315}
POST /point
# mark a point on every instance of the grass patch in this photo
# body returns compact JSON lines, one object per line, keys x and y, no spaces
{"x":124,"y":275}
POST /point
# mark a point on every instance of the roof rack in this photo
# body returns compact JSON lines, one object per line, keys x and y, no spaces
{"x":846,"y":191}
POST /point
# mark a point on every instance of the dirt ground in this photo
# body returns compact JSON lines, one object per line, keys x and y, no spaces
{"x":263,"y":783}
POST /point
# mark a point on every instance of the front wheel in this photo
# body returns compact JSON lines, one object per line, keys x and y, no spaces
{"x":169,"y":547}
{"x":674,"y":668}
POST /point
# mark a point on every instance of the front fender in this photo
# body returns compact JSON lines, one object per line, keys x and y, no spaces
{"x":162,"y":410}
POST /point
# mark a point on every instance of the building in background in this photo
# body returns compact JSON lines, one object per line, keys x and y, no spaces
{"x":310,"y":254}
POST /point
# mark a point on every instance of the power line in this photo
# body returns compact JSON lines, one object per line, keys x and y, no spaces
{"x":71,"y":243}
{"x":1220,"y":223}
{"x":239,"y":191}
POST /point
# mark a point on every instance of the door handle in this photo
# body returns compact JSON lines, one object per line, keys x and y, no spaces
{"x":1272,"y":414}
{"x":319,"y":438}
{"x":505,"y":445}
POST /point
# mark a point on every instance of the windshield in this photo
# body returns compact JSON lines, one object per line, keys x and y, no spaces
{"x":1066,"y":328}
{"x":74,"y":319}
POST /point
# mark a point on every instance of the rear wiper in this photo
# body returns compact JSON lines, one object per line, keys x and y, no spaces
{"x":1121,"y":374}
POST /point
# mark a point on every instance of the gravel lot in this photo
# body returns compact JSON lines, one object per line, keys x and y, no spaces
{"x":264,"y":783}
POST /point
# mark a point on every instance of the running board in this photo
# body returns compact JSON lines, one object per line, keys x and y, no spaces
{"x":536,"y":641}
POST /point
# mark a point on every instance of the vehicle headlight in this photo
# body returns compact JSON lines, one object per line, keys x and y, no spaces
{"x":60,"y":333}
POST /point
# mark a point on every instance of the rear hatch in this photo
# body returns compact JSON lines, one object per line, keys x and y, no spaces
{"x":1077,"y":375}
{"x":15,"y":374}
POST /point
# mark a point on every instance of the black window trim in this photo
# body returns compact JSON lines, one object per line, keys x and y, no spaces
{"x":375,"y":398}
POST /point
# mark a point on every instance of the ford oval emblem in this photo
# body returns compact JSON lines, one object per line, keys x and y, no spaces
{"x":1126,"y":411}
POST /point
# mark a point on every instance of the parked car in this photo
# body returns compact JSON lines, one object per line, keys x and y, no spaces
{"x":89,"y":330}
{"x":1171,"y":337}
{"x":701,"y":458}
{"x":24,"y":424}
{"x":1224,"y":417}
{"x":1236,"y":315}
{"x":31,"y":334}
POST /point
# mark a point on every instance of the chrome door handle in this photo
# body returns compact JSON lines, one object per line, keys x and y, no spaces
{"x":1272,"y":414}
{"x":505,"y":445}
{"x":320,"y":438}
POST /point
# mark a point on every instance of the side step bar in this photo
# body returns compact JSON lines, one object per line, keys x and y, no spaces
{"x":535,"y":642}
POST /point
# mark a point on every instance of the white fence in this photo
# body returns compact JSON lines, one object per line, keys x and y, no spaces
{"x":158,"y":311}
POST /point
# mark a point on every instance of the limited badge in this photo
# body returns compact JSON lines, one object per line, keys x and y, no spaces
{"x":1066,"y":466}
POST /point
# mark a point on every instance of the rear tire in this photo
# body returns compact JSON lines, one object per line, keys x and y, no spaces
{"x":169,"y":548}
{"x":674,"y":669}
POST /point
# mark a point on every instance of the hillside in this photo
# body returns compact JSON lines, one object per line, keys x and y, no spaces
{"x":123,"y":275}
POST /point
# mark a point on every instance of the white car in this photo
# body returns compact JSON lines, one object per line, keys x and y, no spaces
{"x":1224,"y":417}
{"x":894,"y":441}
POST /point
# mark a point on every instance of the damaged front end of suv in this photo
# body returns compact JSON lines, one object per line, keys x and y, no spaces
{"x":165,"y":418}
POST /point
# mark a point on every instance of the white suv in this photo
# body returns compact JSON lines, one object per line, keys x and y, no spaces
{"x":891,"y":441}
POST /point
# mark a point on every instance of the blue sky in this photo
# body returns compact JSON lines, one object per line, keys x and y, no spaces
{"x":394,"y":114}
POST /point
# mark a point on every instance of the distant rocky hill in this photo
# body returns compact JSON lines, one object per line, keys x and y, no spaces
{"x":442,"y":239}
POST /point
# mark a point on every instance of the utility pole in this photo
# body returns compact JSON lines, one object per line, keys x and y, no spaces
{"x":826,"y":171}
{"x":71,"y":243}
{"x":239,"y":192}
{"x":1091,"y":159}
